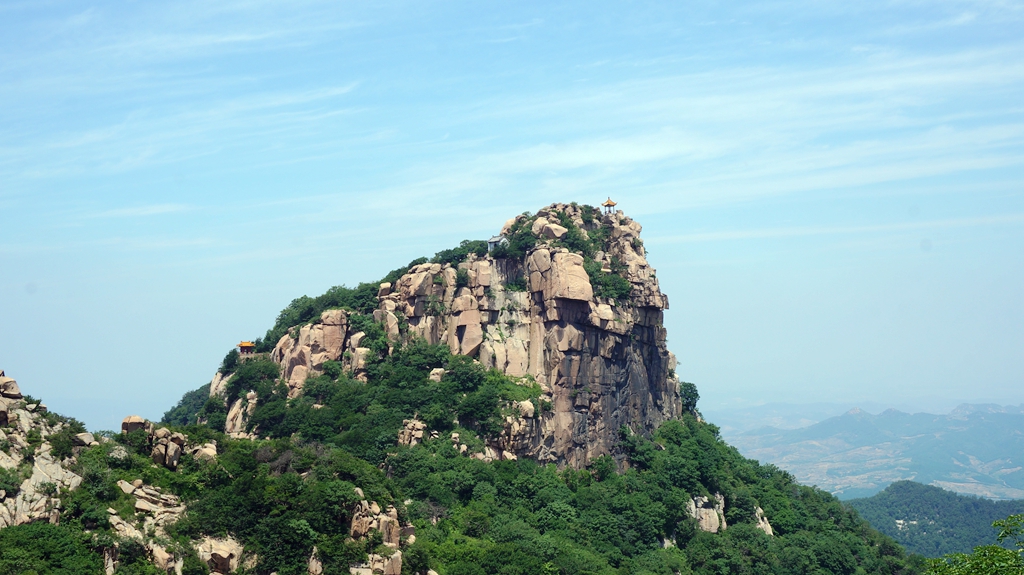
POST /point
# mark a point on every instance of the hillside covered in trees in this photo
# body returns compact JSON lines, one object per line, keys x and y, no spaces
{"x":361,"y":438}
{"x":932,"y":521}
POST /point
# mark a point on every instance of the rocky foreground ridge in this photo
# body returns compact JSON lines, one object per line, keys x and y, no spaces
{"x":34,"y":477}
{"x":601,"y":361}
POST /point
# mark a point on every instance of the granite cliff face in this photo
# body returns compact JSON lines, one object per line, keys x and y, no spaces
{"x":25,"y":449}
{"x":601,"y":362}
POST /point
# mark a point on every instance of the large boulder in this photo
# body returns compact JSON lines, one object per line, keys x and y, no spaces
{"x":709,"y":512}
{"x":219,"y":383}
{"x":206,"y":452}
{"x":762,"y":522}
{"x":568,"y":278}
{"x":538,"y":226}
{"x":222,"y":556}
{"x":83,"y":439}
{"x":553,"y":231}
{"x":9,"y":388}
{"x":411,"y":433}
{"x":133,"y":423}
{"x":173,"y":455}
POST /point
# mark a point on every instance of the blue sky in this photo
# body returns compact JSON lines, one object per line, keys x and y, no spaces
{"x":832,"y":192}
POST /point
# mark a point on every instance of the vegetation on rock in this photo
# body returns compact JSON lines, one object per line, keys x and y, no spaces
{"x":314,"y":466}
{"x":283,"y":495}
{"x":44,"y":548}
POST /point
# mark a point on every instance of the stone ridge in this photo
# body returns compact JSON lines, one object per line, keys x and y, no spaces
{"x":36,"y":499}
{"x":602,"y":364}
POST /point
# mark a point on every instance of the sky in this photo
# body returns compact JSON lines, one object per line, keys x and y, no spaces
{"x":832,"y":193}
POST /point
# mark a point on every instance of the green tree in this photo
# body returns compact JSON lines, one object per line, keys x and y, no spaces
{"x":230,"y":362}
{"x":988,"y":559}
{"x":45,"y":548}
{"x":188,"y":407}
{"x":689,"y":395}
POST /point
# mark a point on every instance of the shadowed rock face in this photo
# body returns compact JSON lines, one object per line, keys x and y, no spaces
{"x":602,"y":364}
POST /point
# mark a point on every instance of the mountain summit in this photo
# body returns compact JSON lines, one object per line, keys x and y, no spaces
{"x":564,"y":297}
{"x":507,"y":407}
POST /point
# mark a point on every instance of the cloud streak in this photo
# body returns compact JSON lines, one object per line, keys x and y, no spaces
{"x":804,"y":231}
{"x":143,"y":211}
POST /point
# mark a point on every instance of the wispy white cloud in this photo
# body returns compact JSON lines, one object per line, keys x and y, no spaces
{"x":142,"y":211}
{"x":601,"y":152}
{"x":170,"y":244}
{"x":961,"y":19}
{"x":802,"y":231}
{"x":151,"y":137}
{"x":716,"y":134}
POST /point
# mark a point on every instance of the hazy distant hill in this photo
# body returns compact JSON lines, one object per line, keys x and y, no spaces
{"x":975,"y":449}
{"x":733,"y":420}
{"x":932,"y":521}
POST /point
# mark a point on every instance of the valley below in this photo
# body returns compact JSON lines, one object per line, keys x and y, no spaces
{"x":974,"y":450}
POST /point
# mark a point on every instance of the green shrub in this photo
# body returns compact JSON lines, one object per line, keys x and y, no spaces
{"x":136,"y":441}
{"x":517,"y":284}
{"x":574,"y":238}
{"x":62,"y":443}
{"x":456,"y":255}
{"x":520,"y":239}
{"x":608,"y":285}
{"x":214,"y":413}
{"x":590,"y":214}
{"x":258,"y":374}
{"x":690,"y":396}
{"x":332,"y":369}
{"x":45,"y":548}
{"x":230,"y":362}
{"x":188,"y":407}
{"x":10,"y":481}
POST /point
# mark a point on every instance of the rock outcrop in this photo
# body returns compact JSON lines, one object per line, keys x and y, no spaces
{"x":304,"y":349}
{"x":602,"y":363}
{"x":709,"y":512}
{"x":28,"y":451}
{"x":238,"y":415}
{"x":9,"y":388}
{"x":153,"y":511}
{"x":166,"y":447}
{"x":761,"y":522}
{"x":206,"y":451}
{"x":411,"y":433}
{"x":222,"y":556}
{"x":369,"y":517}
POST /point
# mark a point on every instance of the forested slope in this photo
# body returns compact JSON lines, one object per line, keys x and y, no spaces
{"x":384,"y":461}
{"x":932,"y":521}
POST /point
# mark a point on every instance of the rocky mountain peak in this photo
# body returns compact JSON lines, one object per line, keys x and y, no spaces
{"x":566,"y":299}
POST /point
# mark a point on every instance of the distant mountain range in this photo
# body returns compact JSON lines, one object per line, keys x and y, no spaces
{"x":975,"y":449}
{"x":932,"y":521}
{"x":734,"y":420}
